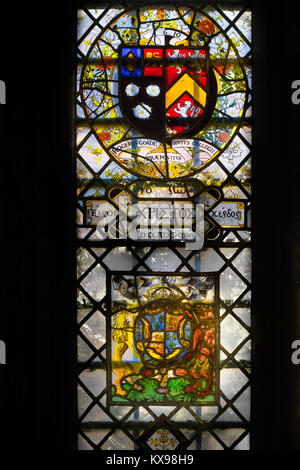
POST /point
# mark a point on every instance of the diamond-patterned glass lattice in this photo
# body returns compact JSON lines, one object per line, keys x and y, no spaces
{"x":147,"y":305}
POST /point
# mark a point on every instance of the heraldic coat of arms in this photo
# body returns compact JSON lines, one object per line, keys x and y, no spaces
{"x":171,"y":89}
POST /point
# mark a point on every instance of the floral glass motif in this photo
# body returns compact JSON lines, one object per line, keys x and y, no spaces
{"x":163,"y":439}
{"x":163,"y":102}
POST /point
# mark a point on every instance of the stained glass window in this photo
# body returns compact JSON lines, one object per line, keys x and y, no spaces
{"x":163,"y":130}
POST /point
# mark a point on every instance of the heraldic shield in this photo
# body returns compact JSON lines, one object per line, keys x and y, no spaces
{"x":168,"y":91}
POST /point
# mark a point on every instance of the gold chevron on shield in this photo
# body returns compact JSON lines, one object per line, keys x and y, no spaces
{"x":185,"y":84}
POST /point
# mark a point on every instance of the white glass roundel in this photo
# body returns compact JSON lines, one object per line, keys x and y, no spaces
{"x":153,"y":90}
{"x":132,"y":89}
{"x":142,"y":111}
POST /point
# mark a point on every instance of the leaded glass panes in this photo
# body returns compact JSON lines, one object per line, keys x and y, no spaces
{"x":164,"y":324}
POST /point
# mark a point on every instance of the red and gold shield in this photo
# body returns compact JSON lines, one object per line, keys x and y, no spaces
{"x":169,"y":91}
